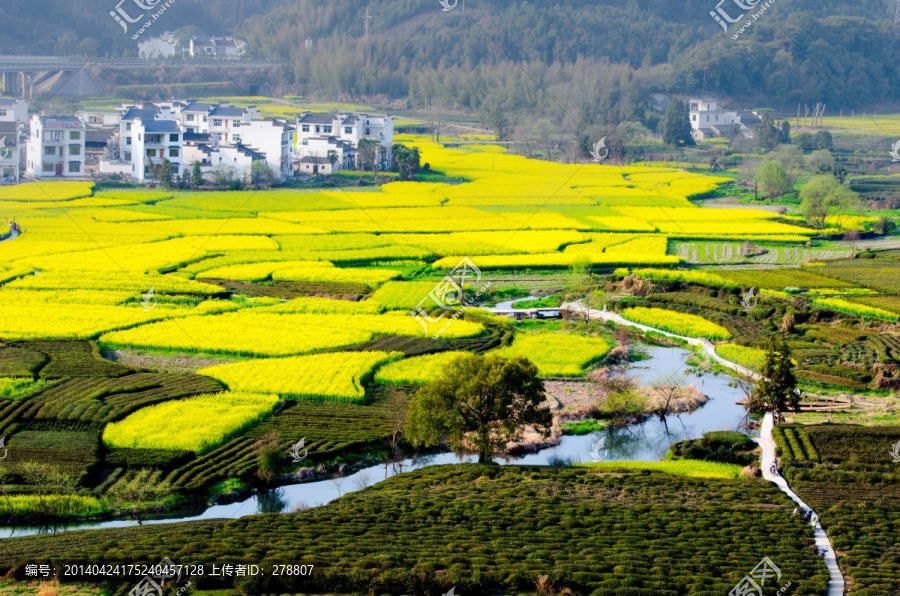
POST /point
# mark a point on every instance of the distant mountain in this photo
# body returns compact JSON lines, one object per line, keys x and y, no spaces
{"x":46,"y":27}
{"x":499,"y":56}
{"x":601,"y":53}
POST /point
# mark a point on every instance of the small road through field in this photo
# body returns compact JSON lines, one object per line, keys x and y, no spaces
{"x":12,"y":234}
{"x":765,"y":440}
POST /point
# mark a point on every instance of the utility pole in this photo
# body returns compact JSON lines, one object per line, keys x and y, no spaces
{"x":367,"y":18}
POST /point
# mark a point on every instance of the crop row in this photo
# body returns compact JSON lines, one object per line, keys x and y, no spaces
{"x":337,"y":376}
{"x":213,"y":419}
{"x":391,"y":538}
{"x":677,"y":323}
{"x":330,"y":429}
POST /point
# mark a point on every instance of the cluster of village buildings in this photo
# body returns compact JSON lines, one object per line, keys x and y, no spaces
{"x":133,"y":140}
{"x":168,"y":45}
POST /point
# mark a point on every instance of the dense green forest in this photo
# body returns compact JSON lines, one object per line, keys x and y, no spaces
{"x":556,"y":59}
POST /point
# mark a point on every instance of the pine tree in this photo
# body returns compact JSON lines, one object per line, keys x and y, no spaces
{"x":777,"y":390}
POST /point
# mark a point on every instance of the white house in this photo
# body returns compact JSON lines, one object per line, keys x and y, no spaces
{"x":9,"y":151}
{"x":319,"y":134}
{"x":56,"y":147}
{"x":13,"y":110}
{"x":273,"y":138}
{"x":157,"y":47}
{"x":707,"y":120}
{"x":152,"y":142}
{"x":236,"y":157}
{"x":226,"y":122}
{"x":218,"y":48}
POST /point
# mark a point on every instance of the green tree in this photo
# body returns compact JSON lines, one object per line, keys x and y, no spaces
{"x":260,"y":174}
{"x":166,"y":173}
{"x":676,"y":124}
{"x":197,"y":175}
{"x":773,"y":180}
{"x":369,"y":152}
{"x":824,"y":140}
{"x":332,"y":158}
{"x":485,"y":400}
{"x":784,"y":133}
{"x":823,"y":196}
{"x":406,"y":161}
{"x":492,"y":114}
{"x":776,"y":391}
{"x":805,"y":141}
{"x":766,"y":134}
{"x":270,"y":458}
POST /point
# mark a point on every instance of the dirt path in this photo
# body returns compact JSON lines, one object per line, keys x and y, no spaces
{"x":766,"y":441}
{"x":12,"y":235}
{"x":707,"y":345}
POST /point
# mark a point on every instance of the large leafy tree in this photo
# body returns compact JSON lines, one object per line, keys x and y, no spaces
{"x":823,"y":196}
{"x":406,"y":161}
{"x":483,"y":400}
{"x":773,"y":180}
{"x":676,"y":124}
{"x":776,"y":391}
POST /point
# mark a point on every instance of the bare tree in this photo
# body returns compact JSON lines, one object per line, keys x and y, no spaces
{"x":666,"y":389}
{"x":361,"y":480}
{"x":338,"y":481}
{"x":852,"y":236}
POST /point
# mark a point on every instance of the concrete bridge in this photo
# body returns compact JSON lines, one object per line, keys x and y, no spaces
{"x":23,"y":74}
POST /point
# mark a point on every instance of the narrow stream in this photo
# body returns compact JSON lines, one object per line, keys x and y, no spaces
{"x":648,"y":441}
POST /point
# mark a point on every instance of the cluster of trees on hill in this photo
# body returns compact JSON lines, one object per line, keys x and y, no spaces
{"x":513,"y":56}
{"x":503,"y":57}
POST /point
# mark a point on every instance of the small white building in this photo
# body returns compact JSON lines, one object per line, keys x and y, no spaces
{"x":157,"y":47}
{"x":273,"y":138}
{"x":152,"y":142}
{"x":56,"y":147}
{"x":218,"y":48}
{"x":316,"y":166}
{"x":235,"y":157}
{"x":13,"y":110}
{"x":9,"y":151}
{"x":708,"y":121}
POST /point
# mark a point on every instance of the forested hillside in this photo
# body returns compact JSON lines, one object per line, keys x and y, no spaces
{"x":508,"y":56}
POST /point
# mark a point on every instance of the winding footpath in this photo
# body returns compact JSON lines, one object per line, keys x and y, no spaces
{"x":12,"y":234}
{"x":765,"y":440}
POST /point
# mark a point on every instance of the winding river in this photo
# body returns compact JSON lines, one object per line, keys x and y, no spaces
{"x":647,"y":441}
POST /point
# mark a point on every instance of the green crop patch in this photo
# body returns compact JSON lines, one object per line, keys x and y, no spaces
{"x":848,"y":475}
